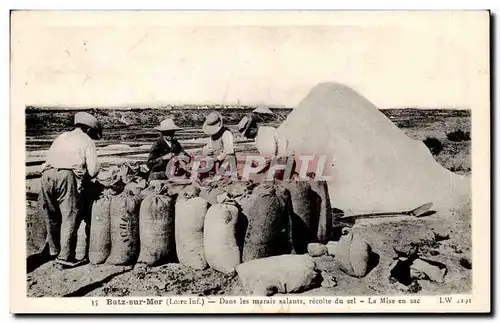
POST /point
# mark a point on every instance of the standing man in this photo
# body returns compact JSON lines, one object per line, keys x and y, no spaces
{"x":220,"y":144}
{"x":71,"y":162}
{"x":163,"y":150}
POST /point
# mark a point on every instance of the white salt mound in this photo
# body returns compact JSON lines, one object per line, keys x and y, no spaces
{"x":376,"y":166}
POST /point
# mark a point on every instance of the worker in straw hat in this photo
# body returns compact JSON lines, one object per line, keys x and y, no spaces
{"x":70,"y":162}
{"x":163,"y":150}
{"x":220,"y":144}
{"x":263,"y":110}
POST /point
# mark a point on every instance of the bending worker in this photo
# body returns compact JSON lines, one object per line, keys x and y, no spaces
{"x":220,"y":144}
{"x":267,"y":141}
{"x":71,"y":161}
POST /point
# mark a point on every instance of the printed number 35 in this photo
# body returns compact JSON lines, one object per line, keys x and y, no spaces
{"x":94,"y":303}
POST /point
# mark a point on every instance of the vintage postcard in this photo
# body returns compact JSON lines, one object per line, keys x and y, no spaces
{"x":250,"y":162}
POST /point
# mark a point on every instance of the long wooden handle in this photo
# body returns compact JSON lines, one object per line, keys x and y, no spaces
{"x":415,"y":212}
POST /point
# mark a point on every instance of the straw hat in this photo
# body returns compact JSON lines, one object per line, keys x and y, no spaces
{"x":213,"y":123}
{"x":167,"y":125}
{"x":90,"y":121}
{"x":263,"y":110}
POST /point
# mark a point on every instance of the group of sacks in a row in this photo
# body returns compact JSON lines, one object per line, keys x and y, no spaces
{"x":259,"y":231}
{"x":217,"y":226}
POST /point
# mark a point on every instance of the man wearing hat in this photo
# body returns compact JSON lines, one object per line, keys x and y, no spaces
{"x":70,"y":162}
{"x":163,"y":150}
{"x":220,"y":144}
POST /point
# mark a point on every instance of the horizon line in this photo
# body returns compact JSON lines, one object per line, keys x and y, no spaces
{"x":174,"y":106}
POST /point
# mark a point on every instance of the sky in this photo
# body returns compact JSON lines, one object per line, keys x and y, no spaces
{"x":405,"y":60}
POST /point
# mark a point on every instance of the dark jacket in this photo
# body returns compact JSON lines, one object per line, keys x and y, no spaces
{"x":160,"y":148}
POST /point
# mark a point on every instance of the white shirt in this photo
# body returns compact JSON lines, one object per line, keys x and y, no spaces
{"x":269,"y":144}
{"x":73,"y":150}
{"x":223,"y":146}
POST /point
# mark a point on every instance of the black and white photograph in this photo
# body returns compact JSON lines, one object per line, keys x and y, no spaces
{"x":195,"y":159}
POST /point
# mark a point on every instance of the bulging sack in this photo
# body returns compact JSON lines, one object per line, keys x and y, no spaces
{"x":219,"y":237}
{"x":212,"y":189}
{"x":213,"y":193}
{"x":316,"y":249}
{"x":279,"y":274}
{"x":100,"y":229}
{"x":190,"y":212}
{"x":268,"y":231}
{"x":111,"y":178}
{"x":124,"y":215}
{"x":153,"y":188}
{"x":305,"y":214}
{"x":156,"y":228}
{"x":322,"y":204}
{"x":136,"y":185}
{"x":353,"y":254}
{"x":82,"y":241}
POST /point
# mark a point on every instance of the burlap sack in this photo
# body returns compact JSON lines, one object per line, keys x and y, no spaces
{"x":353,"y":254}
{"x":268,"y":231}
{"x":135,"y":184}
{"x":421,"y":269}
{"x":36,"y":228}
{"x":157,"y":228}
{"x":279,"y":274}
{"x":326,"y":220}
{"x":124,"y":229}
{"x":316,"y":249}
{"x":190,"y":212}
{"x":219,"y":237}
{"x":213,"y":193}
{"x":210,"y":190}
{"x":244,"y":199}
{"x":100,"y":229}
{"x":82,"y":240}
{"x":110,"y":177}
{"x":305,"y":214}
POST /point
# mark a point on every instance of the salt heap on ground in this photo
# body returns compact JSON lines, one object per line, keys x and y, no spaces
{"x":376,"y":166}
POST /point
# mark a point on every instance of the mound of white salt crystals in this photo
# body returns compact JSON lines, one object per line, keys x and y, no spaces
{"x":374,"y":166}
